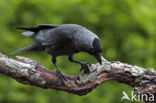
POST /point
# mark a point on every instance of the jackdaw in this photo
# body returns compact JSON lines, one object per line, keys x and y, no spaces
{"x":66,"y":39}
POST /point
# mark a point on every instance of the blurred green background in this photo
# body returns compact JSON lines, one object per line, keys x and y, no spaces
{"x":126,"y":29}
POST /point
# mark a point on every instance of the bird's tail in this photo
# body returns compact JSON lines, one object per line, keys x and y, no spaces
{"x":28,"y":48}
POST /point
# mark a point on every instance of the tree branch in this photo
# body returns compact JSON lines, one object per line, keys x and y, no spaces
{"x":28,"y":71}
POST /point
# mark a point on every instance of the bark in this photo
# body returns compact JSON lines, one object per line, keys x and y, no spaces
{"x":28,"y":71}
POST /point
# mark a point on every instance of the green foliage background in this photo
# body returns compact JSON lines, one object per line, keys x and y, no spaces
{"x":126,"y":29}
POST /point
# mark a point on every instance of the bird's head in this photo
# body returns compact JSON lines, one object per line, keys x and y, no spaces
{"x":96,"y":50}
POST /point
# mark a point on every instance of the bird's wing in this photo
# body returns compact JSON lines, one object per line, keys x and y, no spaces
{"x":47,"y":26}
{"x":55,"y":40}
{"x":38,"y":28}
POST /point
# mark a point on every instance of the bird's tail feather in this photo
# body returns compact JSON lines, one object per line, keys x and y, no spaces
{"x":28,"y":48}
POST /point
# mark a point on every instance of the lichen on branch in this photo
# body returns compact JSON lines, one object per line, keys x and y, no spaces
{"x":30,"y":72}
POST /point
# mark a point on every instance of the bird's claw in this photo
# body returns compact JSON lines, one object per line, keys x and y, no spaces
{"x":61,"y":77}
{"x":84,"y":66}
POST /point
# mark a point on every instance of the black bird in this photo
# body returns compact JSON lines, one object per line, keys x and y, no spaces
{"x":66,"y":39}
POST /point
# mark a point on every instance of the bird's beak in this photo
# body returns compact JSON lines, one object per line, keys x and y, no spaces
{"x":98,"y":57}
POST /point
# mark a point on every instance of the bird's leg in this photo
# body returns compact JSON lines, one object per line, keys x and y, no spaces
{"x":84,"y":65}
{"x":60,"y":75}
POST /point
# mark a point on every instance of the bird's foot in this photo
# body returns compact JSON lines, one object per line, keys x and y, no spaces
{"x":84,"y":66}
{"x":61,"y":77}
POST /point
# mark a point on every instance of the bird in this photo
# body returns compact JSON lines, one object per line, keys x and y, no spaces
{"x":60,"y":40}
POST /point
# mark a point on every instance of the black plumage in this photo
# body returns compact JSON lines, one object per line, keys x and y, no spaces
{"x":66,"y":39}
